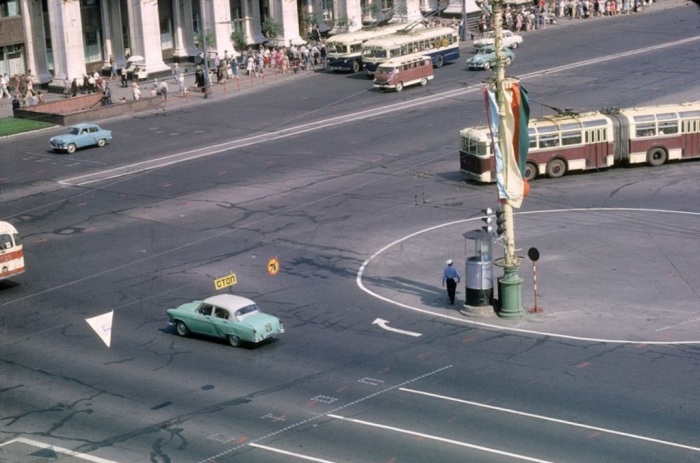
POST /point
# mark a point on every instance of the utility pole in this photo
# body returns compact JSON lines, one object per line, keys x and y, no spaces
{"x":205,"y":52}
{"x":510,"y":284}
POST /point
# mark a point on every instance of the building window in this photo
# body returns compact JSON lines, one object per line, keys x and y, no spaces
{"x":328,"y":13}
{"x":93,"y":46}
{"x":9,"y":8}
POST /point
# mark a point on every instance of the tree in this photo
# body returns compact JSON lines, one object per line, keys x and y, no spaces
{"x":343,"y":22}
{"x":271,"y":28}
{"x":238,"y":39}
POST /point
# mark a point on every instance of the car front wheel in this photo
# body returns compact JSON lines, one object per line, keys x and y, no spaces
{"x":101,"y":142}
{"x":234,"y":340}
{"x":487,"y":65}
{"x":399,"y":86}
{"x":181,"y":329}
{"x":71,"y":148}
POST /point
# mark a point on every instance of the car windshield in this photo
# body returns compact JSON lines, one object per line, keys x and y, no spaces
{"x":74,"y":131}
{"x":246,"y":311}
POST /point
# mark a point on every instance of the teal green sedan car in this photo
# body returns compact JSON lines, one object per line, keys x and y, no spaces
{"x":485,"y":58}
{"x":234,"y":318}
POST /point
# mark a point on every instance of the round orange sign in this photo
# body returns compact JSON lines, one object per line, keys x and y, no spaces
{"x":273,"y":266}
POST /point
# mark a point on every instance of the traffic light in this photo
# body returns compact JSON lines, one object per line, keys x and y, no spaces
{"x":488,"y":220}
{"x":500,"y":222}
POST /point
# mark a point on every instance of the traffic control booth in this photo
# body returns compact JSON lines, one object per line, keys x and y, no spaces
{"x":478,"y":273}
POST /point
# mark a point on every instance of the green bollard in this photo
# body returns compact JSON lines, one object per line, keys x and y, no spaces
{"x":510,"y":294}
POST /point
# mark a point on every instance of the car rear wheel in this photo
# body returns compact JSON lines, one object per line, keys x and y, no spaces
{"x":181,"y":328}
{"x":234,"y":340}
{"x":514,"y":45}
{"x":423,"y":82}
{"x":508,"y":61}
{"x":399,"y":86}
{"x":101,"y":142}
{"x":70,"y":149}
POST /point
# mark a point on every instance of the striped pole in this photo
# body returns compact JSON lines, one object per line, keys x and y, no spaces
{"x":536,"y":308}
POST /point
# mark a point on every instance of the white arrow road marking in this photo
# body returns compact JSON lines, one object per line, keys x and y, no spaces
{"x":385,"y":324}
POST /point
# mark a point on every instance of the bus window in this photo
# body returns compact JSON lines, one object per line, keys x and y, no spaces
{"x":571,"y":138}
{"x":549,"y":141}
{"x":646,"y":129}
{"x":669,"y":127}
{"x":5,"y":241}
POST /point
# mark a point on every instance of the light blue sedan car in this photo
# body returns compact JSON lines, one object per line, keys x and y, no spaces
{"x":80,"y":136}
{"x":486,"y":58}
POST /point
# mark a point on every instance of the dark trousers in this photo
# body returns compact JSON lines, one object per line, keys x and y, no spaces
{"x":451,"y":284}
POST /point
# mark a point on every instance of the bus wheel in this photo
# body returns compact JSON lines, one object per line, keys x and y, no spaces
{"x":556,"y":168}
{"x":530,"y":171}
{"x":440,"y":61}
{"x":423,"y":82}
{"x":356,"y":66}
{"x":399,"y":86}
{"x":656,"y":157}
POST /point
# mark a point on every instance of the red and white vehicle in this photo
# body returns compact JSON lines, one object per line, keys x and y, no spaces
{"x":596,"y":140}
{"x":11,"y":251}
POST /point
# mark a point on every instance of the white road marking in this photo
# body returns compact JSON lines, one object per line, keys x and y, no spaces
{"x":554,"y":420}
{"x":385,"y":324}
{"x":291,"y":454}
{"x":442,"y":439}
{"x":61,"y":450}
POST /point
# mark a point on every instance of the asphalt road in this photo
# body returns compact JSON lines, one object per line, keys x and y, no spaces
{"x":337,"y":387}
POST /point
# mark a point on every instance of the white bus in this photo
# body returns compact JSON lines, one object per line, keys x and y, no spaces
{"x":440,"y":43}
{"x":11,"y":251}
{"x":344,"y":51}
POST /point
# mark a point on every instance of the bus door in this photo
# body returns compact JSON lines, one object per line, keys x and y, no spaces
{"x":690,"y":138}
{"x":620,"y":138}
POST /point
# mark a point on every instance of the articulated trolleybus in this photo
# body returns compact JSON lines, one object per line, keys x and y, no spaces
{"x":344,"y":51}
{"x":11,"y":251}
{"x":440,"y":43}
{"x":596,"y":140}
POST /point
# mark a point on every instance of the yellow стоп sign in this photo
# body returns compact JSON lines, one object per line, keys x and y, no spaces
{"x":225,"y":282}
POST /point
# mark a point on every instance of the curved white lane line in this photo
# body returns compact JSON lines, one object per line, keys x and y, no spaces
{"x":358,"y":280}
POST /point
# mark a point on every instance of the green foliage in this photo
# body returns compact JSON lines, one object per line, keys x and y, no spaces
{"x":344,"y":22}
{"x":238,"y":39}
{"x":208,"y":35}
{"x":310,"y":20}
{"x":271,"y":28}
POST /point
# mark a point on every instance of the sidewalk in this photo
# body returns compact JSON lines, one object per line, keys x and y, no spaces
{"x":227,"y":89}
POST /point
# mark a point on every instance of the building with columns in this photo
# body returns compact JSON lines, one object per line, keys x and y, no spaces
{"x":59,"y":39}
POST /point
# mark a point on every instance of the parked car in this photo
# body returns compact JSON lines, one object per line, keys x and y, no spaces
{"x":234,"y":318}
{"x":508,"y":40}
{"x":80,"y":136}
{"x":486,"y":58}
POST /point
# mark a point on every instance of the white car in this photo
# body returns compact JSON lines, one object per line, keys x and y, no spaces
{"x":508,"y":40}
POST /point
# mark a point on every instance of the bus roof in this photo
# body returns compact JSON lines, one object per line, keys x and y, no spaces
{"x":684,"y":110}
{"x":421,"y":34}
{"x":6,"y":227}
{"x":366,"y":34}
{"x":405,"y":59}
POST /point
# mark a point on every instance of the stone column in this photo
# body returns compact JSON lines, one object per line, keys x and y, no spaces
{"x":285,"y":12}
{"x":144,"y":27}
{"x":218,"y":20}
{"x":67,"y":40}
{"x":251,"y":11}
{"x":35,"y":41}
{"x":112,"y":41}
{"x":413,"y":10}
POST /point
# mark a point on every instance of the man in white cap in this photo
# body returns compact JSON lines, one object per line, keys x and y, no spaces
{"x":450,"y":276}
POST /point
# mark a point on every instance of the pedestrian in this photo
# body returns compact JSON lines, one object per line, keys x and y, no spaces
{"x":4,"y":82}
{"x":135,"y":91}
{"x":123,"y":74}
{"x":450,"y":277}
{"x":112,"y":68}
{"x":74,"y":87}
{"x":181,"y":84}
